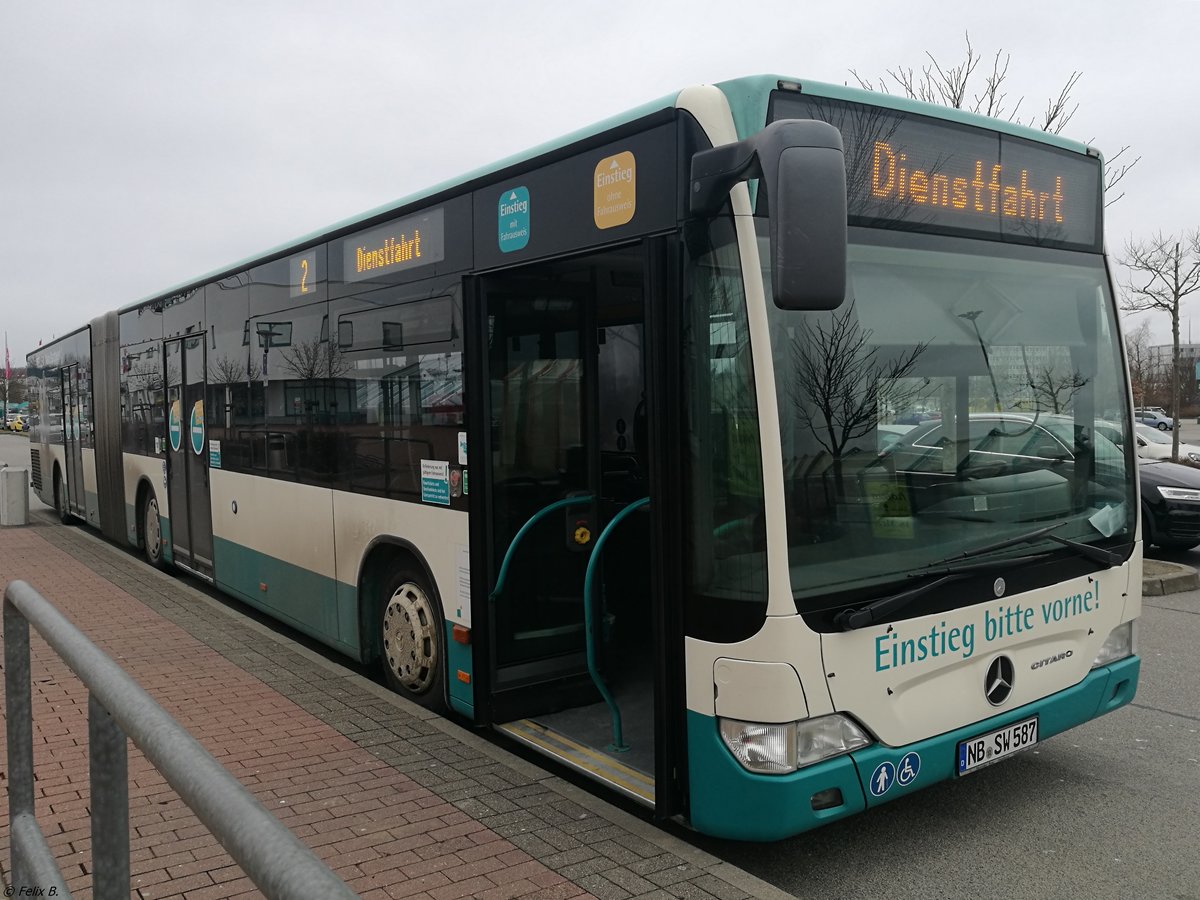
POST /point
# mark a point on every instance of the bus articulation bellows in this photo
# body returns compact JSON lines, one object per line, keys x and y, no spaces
{"x":749,"y":452}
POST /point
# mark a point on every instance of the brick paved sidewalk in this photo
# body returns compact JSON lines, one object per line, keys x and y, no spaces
{"x":398,"y":802}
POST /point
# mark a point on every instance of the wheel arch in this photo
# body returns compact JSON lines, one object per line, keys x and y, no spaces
{"x":382,"y":556}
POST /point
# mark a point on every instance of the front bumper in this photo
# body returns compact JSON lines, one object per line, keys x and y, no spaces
{"x":727,"y":801}
{"x":1177,"y":520}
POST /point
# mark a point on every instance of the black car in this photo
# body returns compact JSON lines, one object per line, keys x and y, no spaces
{"x":1170,"y":504}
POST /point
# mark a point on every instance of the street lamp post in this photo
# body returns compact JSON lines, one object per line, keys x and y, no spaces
{"x":973,"y":318}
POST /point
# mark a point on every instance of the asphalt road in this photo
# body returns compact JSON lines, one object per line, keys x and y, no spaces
{"x":1111,"y":809}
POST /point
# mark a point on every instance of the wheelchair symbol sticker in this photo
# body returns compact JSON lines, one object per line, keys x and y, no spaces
{"x":908,"y":769}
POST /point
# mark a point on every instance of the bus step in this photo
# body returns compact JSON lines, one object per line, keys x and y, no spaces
{"x":589,"y":761}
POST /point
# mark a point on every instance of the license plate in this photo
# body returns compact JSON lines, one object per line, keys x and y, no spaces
{"x":996,"y":745}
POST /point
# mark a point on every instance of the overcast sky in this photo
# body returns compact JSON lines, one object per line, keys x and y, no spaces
{"x":147,"y":143}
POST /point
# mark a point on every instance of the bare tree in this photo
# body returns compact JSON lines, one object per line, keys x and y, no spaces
{"x":315,"y":360}
{"x":1163,"y":271}
{"x":1054,"y":388}
{"x":1145,"y":372}
{"x":16,"y":386}
{"x":843,"y":382}
{"x":226,"y":369}
{"x":951,"y":85}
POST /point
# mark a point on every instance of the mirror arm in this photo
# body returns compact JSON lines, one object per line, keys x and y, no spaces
{"x":717,"y":170}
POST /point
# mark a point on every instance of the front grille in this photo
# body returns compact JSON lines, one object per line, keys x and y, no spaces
{"x":35,"y":467}
{"x":1182,"y":521}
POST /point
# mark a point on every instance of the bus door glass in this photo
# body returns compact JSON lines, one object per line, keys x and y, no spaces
{"x":187,"y":454}
{"x":567,"y":455}
{"x":73,"y":420}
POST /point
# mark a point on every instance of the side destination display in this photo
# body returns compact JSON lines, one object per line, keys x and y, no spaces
{"x":407,"y":243}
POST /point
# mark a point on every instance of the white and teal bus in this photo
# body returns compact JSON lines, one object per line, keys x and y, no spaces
{"x":750,"y":452}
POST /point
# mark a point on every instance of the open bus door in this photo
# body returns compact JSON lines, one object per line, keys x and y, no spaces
{"x":565,"y":490}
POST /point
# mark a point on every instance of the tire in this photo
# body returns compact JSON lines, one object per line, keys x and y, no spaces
{"x":152,"y":546}
{"x":411,"y":634}
{"x":1163,"y":426}
{"x":60,"y":503}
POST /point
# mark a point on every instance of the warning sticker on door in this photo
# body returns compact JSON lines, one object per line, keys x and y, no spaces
{"x":435,"y":482}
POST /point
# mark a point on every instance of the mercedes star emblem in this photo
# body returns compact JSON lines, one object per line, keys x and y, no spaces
{"x":998,"y":683}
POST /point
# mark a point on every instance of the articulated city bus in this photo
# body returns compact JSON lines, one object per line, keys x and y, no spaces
{"x":743,"y":452}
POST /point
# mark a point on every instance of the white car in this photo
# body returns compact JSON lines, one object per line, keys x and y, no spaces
{"x":1153,"y":444}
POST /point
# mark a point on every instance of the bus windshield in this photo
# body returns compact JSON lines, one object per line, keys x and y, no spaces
{"x":962,"y":394}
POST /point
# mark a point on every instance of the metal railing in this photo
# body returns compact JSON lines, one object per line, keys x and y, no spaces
{"x":274,"y":859}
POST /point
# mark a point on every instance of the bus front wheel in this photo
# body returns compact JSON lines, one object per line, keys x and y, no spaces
{"x":411,"y":640}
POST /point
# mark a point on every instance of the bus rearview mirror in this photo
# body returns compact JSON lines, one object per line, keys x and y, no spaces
{"x":803,"y":173}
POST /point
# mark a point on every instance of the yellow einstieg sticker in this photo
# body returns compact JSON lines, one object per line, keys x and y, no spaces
{"x":615,"y":184}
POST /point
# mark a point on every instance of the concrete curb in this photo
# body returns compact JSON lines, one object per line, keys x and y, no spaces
{"x":1161,"y":577}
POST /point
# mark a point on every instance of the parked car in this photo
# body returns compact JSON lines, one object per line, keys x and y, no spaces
{"x":914,"y":417}
{"x":1153,"y":444}
{"x":1154,"y":419}
{"x":1170,"y":504}
{"x":1000,"y":443}
{"x":1016,"y":466}
{"x":17,"y":425}
{"x":887,"y":435}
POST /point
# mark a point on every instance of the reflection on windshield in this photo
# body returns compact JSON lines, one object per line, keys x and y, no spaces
{"x":960,"y":395}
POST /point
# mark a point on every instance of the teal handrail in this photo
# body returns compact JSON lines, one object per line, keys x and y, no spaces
{"x":520,"y":535}
{"x":618,"y":745}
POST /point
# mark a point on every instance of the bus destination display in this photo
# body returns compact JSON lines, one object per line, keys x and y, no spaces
{"x":403,"y":244}
{"x":910,"y":171}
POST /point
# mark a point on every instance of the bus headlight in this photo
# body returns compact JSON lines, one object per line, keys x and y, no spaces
{"x":818,"y":739}
{"x":1120,"y":643}
{"x":776,"y":749}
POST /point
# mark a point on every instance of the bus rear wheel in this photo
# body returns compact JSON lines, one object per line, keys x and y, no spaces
{"x":152,"y":531}
{"x":411,"y":640}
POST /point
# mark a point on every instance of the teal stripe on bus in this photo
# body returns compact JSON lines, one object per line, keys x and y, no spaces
{"x":728,"y":801}
{"x":304,"y":599}
{"x":748,"y":99}
{"x":458,"y":660}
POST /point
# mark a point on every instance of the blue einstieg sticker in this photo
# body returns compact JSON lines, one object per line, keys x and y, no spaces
{"x":513,"y":221}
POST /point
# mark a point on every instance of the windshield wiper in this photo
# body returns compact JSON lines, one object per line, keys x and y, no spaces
{"x":1096,"y":554}
{"x":876,"y":610}
{"x":879,"y":609}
